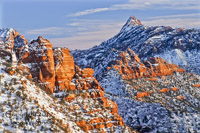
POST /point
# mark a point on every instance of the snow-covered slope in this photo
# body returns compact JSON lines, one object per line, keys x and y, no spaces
{"x":163,"y":103}
{"x":171,"y":104}
{"x":188,"y":59}
{"x":154,"y":96}
{"x":27,"y":108}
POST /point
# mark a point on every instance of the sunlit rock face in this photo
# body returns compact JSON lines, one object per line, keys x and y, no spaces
{"x":64,"y":68}
{"x":128,"y":64}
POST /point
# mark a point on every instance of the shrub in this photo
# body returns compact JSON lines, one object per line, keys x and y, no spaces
{"x":24,"y":96}
{"x":18,"y":93}
{"x":3,"y":91}
{"x":17,"y":70}
{"x":21,"y":124}
{"x":5,"y":84}
{"x":7,"y":131}
{"x":2,"y":109}
{"x":6,"y":124}
{"x":12,"y":89}
{"x":15,"y":81}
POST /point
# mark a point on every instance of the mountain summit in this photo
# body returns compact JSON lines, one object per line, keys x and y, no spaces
{"x":176,"y":45}
{"x":132,"y":21}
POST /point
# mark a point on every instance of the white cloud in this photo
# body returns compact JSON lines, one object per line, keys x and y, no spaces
{"x":191,"y":15}
{"x":143,"y":4}
{"x":79,"y":26}
{"x":47,"y":31}
{"x":87,"y":33}
{"x":74,"y":24}
{"x":54,"y":31}
{"x":97,"y":32}
{"x":81,"y":41}
{"x":176,"y":21}
{"x":81,"y":34}
{"x":90,"y":11}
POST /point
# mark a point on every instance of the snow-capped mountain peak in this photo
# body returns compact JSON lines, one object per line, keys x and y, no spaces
{"x":132,"y":21}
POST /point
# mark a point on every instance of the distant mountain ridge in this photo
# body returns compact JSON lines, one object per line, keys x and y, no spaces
{"x":146,"y":41}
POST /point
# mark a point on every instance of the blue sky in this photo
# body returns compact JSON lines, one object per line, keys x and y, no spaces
{"x":81,"y":24}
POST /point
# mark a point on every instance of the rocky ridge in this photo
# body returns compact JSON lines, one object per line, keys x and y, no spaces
{"x":179,"y":46}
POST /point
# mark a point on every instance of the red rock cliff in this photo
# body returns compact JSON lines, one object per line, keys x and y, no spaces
{"x":55,"y":70}
{"x":129,"y":66}
{"x":64,"y":68}
{"x":39,"y":58}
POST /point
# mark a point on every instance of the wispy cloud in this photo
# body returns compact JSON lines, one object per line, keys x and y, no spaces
{"x":90,"y":11}
{"x":81,"y":34}
{"x":144,"y":4}
{"x":181,"y":20}
{"x":191,"y":15}
{"x":83,"y":40}
{"x":97,"y":31}
{"x":54,"y":31}
{"x":47,"y":31}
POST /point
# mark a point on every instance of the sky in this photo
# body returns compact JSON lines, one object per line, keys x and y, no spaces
{"x":81,"y":24}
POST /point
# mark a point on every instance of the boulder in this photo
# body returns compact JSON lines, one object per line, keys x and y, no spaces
{"x":70,"y":97}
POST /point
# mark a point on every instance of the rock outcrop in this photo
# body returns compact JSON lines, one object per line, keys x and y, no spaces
{"x":85,"y":80}
{"x":64,"y":68}
{"x":87,"y":87}
{"x":129,"y":66}
{"x":38,"y":57}
{"x":52,"y":68}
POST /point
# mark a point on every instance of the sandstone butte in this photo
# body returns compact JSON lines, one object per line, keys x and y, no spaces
{"x":129,"y":65}
{"x":54,"y":69}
